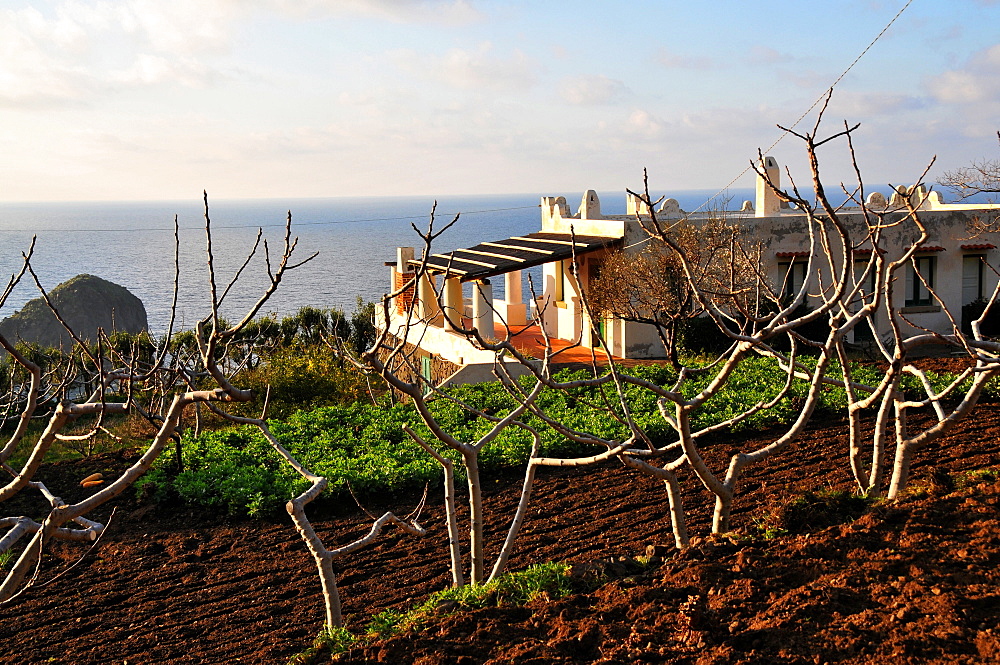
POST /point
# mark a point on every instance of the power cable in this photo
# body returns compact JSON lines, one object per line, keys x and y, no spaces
{"x":797,"y":121}
{"x":476,"y":212}
{"x":814,"y":104}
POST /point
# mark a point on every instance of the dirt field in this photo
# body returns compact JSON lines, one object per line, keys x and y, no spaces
{"x":916,"y":582}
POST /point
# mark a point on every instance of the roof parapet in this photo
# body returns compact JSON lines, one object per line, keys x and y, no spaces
{"x":590,"y":206}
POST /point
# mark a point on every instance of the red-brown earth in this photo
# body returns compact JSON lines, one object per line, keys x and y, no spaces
{"x":910,"y":582}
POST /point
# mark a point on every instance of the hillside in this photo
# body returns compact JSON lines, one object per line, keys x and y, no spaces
{"x":86,"y":303}
{"x":910,"y":582}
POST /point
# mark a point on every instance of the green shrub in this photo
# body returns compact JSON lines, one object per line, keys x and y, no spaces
{"x":363,"y":444}
{"x":509,"y":589}
{"x":812,"y":511}
{"x":301,"y":377}
{"x":330,"y":642}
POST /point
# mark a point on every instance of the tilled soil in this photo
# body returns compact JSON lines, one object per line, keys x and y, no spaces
{"x":912,"y":582}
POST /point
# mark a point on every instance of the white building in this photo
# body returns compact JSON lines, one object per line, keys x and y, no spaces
{"x":952,"y":261}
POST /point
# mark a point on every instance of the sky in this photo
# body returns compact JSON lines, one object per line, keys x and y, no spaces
{"x":158,"y":100}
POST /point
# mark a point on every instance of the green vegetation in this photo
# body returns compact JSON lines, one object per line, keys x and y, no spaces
{"x":550,"y":580}
{"x":237,"y":470}
{"x":546,"y":580}
{"x":362,"y":443}
{"x":295,"y":362}
{"x":329,"y":642}
{"x":325,"y":412}
{"x":287,"y":360}
{"x":301,"y":377}
{"x":812,"y":511}
{"x":327,"y":415}
{"x":978,"y":477}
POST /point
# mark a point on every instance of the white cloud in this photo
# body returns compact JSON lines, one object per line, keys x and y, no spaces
{"x":765,"y":55}
{"x":83,"y":49}
{"x":958,"y":87}
{"x":472,"y":69}
{"x":72,"y":51}
{"x":150,"y":69}
{"x":449,"y":12}
{"x":180,"y":27}
{"x":975,"y":83}
{"x":672,"y":60}
{"x":592,"y":90}
{"x":642,"y":123}
{"x":858,"y":105}
{"x":30,"y":73}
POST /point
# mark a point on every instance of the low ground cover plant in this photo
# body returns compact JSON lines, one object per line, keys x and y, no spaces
{"x":549,"y":580}
{"x":362,"y":446}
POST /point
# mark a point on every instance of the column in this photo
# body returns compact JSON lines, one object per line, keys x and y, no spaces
{"x":454,"y":305}
{"x":482,"y":313}
{"x":430,"y":310}
{"x":514,"y":311}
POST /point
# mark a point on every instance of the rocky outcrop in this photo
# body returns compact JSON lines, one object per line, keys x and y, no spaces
{"x":86,"y":303}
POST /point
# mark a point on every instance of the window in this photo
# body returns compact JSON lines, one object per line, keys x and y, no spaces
{"x":599,"y":329}
{"x":972,"y":278}
{"x":917,"y":293}
{"x":794,"y":276}
{"x":863,"y":331}
{"x":867,"y":282}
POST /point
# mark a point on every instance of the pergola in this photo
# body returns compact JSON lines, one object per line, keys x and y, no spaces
{"x":506,"y":257}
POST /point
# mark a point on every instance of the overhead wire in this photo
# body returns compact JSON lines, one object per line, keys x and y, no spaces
{"x":814,"y":104}
{"x":476,"y":212}
{"x":797,"y":120}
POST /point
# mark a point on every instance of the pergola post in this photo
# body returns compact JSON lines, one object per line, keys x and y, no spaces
{"x":514,"y":310}
{"x":482,"y":310}
{"x":430,"y":310}
{"x":454,"y":305}
{"x":512,"y":287}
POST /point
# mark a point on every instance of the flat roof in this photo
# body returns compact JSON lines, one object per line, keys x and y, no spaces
{"x":502,"y":256}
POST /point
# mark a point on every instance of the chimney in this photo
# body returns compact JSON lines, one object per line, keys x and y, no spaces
{"x":768,"y":203}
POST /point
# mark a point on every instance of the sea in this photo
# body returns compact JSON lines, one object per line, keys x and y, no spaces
{"x":132,"y":244}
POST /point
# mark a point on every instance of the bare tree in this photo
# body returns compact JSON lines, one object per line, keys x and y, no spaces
{"x":159,"y":385}
{"x":650,"y":286}
{"x":980,"y":177}
{"x":739,"y":308}
{"x":852,"y":271}
{"x":883,"y":270}
{"x":841,"y":300}
{"x":394,"y":358}
{"x":394,"y":361}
